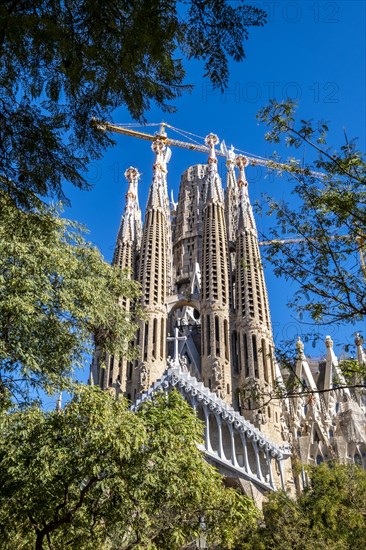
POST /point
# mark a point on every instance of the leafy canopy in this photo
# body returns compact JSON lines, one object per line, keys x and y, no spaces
{"x":64,"y":62}
{"x":96,"y":475}
{"x":58,"y":298}
{"x":330,"y":514}
{"x":326,"y":216}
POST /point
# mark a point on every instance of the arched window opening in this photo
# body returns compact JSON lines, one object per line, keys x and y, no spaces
{"x":208,"y":335}
{"x":162,"y":339}
{"x":264,"y":357}
{"x":217,"y":335}
{"x":234,"y":352}
{"x":272,"y":364}
{"x":146,"y":340}
{"x":155,"y":330}
{"x":246,"y":355}
{"x":255,"y":355}
{"x":226,"y":340}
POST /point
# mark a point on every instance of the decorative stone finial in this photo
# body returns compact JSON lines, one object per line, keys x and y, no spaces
{"x":132,"y":175}
{"x":358,"y":340}
{"x":328,"y":342}
{"x":211,"y":140}
{"x":299,"y":347}
{"x":241,"y":163}
{"x":158,"y":146}
{"x":163,"y":154}
{"x":361,"y":357}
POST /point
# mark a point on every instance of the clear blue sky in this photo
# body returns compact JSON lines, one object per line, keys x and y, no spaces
{"x":312,"y":51}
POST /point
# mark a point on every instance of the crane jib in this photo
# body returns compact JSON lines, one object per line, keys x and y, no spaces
{"x":268,"y":163}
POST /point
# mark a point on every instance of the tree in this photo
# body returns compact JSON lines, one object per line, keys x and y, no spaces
{"x":326,"y":218}
{"x":96,"y":475}
{"x":58,"y":299}
{"x":330,"y":514}
{"x":317,"y":242}
{"x":65,"y":62}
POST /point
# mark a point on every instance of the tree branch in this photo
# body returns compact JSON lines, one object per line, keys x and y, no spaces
{"x":55,"y":523}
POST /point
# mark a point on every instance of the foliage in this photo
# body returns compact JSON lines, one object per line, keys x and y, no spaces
{"x":330,"y":514}
{"x":336,"y":504}
{"x":97,"y":475}
{"x":326,"y":217}
{"x":352,"y":372}
{"x":55,"y":465}
{"x":284,"y":527}
{"x":65,"y":62}
{"x":58,"y":298}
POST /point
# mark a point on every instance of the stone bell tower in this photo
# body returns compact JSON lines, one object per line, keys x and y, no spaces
{"x":126,"y":257}
{"x":216,"y":369}
{"x":154,"y":276}
{"x":252,"y":335}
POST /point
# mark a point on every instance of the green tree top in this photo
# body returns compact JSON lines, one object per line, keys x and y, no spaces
{"x":64,"y":62}
{"x":58,"y":298}
{"x":96,"y":475}
{"x":329,"y":515}
{"x":326,"y":217}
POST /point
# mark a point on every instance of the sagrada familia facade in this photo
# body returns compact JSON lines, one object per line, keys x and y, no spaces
{"x":207,"y":331}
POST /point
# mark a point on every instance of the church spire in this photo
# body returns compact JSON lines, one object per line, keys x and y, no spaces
{"x":245,"y":215}
{"x":231,"y":218}
{"x":252,"y":301}
{"x":125,"y":257}
{"x":333,"y":374}
{"x":361,"y":356}
{"x":215,"y":192}
{"x":129,"y":234}
{"x":231,"y":193}
{"x":253,"y":332}
{"x":158,"y":193}
{"x":215,"y":353}
{"x":154,"y":275}
{"x":303,"y":371}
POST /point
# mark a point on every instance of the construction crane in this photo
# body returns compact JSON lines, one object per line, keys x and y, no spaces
{"x":109,"y":127}
{"x":119,"y":129}
{"x":359,"y":240}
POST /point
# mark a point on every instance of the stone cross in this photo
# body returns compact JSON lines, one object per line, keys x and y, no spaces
{"x":176,"y":339}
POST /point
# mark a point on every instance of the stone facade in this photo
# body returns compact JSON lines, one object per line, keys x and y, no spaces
{"x":206,"y":311}
{"x":328,"y":420}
